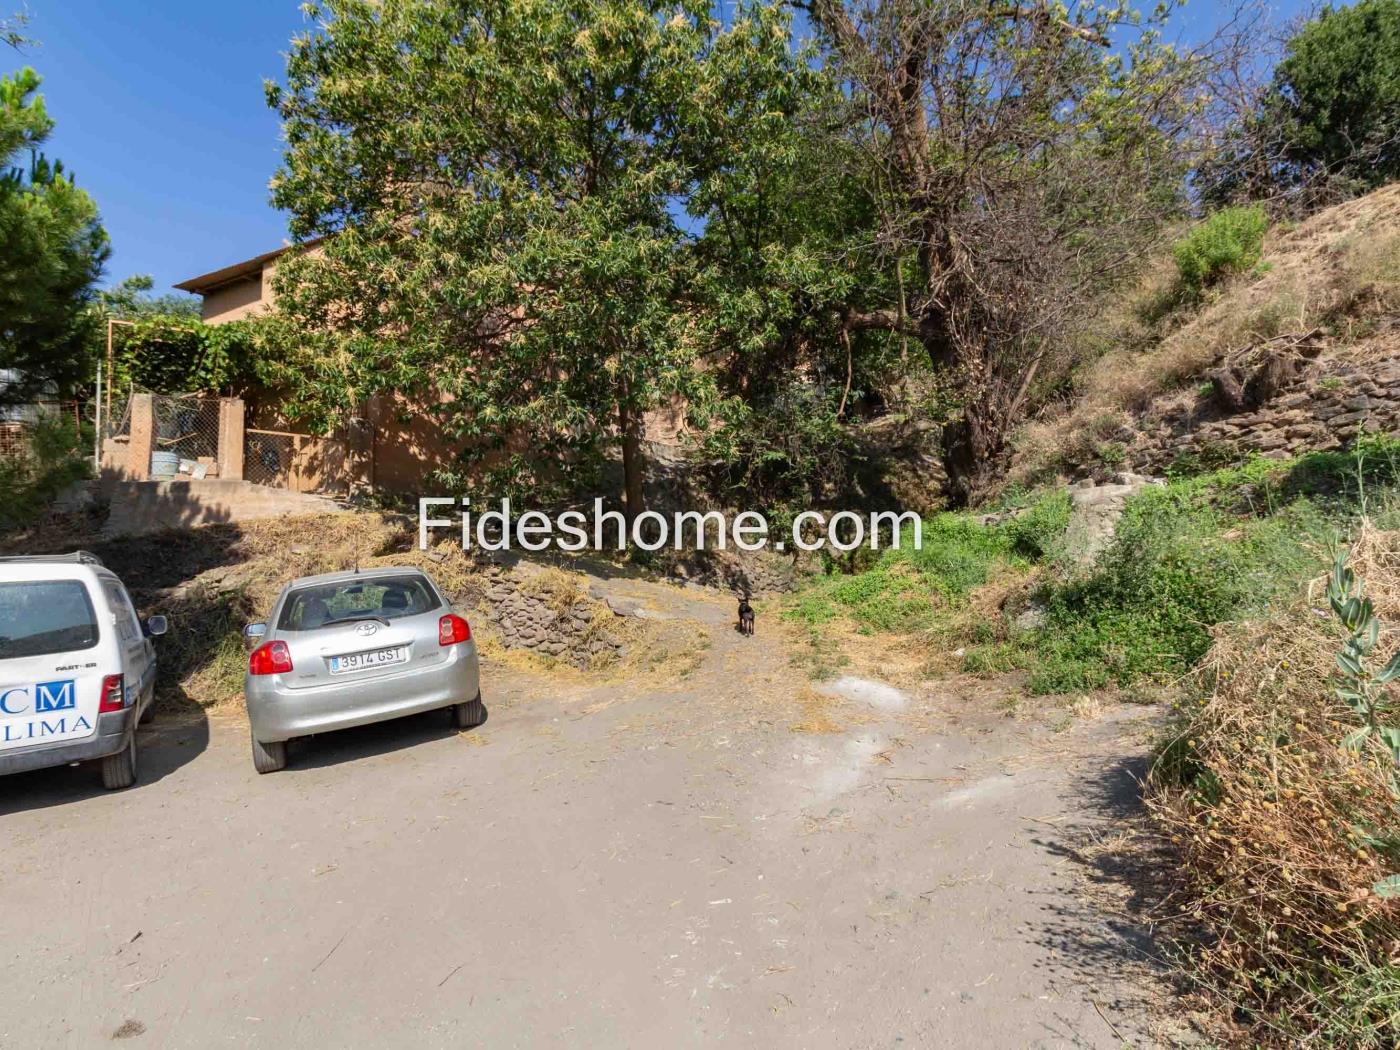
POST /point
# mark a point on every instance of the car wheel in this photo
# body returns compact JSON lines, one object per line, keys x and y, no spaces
{"x":468,"y":715}
{"x":269,"y":758}
{"x":119,"y":770}
{"x":149,"y":715}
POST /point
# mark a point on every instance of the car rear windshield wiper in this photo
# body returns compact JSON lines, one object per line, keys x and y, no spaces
{"x":355,"y":619}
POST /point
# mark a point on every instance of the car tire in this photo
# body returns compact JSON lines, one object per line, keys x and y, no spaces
{"x":149,"y":715}
{"x":119,"y":770}
{"x":269,"y":758}
{"x":468,"y":715}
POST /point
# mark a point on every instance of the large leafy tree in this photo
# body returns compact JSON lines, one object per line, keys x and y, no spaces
{"x":1336,"y":95}
{"x":495,"y":186}
{"x":52,"y":251}
{"x":1323,"y":125}
{"x":785,"y":225}
{"x":133,"y":299}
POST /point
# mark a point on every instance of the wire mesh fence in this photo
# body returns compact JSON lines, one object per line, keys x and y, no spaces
{"x":18,"y":423}
{"x":117,"y":420}
{"x":185,"y":435}
{"x":269,"y":458}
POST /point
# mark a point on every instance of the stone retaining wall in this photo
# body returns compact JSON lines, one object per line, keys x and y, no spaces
{"x":1326,"y":409}
{"x":546,"y":612}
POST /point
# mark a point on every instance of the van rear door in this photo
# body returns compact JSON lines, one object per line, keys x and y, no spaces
{"x":50,"y":675}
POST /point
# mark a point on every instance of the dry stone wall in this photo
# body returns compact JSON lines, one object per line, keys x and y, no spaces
{"x":1327,"y":408}
{"x":547,"y":613}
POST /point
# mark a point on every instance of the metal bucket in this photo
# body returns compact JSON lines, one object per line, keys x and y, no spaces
{"x":164,"y":464}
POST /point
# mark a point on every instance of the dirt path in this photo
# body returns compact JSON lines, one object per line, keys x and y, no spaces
{"x":622,"y":865}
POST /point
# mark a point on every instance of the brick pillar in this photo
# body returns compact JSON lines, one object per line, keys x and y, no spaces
{"x":143,"y":434}
{"x":231,"y":438}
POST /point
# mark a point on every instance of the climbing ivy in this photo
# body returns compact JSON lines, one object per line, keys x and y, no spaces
{"x":170,"y":354}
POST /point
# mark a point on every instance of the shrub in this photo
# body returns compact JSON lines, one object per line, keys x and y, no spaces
{"x":1288,"y":837}
{"x":785,"y":456}
{"x":1229,"y":241}
{"x":53,"y":460}
{"x":1178,"y":565}
{"x":907,"y":588}
{"x":1037,"y":533}
{"x":957,"y":553}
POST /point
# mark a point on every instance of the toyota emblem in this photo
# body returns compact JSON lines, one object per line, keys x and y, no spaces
{"x":366,"y":628}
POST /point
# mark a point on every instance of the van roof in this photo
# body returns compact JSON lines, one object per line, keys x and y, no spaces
{"x":73,"y":558}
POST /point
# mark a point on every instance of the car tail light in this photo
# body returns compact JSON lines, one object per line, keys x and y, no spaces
{"x":113,"y":694}
{"x":270,"y":658}
{"x":452,"y":629}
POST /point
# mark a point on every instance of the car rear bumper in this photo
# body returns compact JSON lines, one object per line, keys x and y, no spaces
{"x":111,"y":737}
{"x":277,"y":713}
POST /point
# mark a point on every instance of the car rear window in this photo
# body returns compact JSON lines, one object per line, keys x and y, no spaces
{"x":38,"y":618}
{"x":389,"y":597}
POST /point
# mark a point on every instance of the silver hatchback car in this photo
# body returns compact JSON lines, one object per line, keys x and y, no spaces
{"x":351,"y":648}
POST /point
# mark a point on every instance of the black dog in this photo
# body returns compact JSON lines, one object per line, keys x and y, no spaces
{"x":745,"y":617}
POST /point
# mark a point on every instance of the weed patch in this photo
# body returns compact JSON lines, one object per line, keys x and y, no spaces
{"x":1285,"y":820}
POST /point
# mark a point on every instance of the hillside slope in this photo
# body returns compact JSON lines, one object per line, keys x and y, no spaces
{"x":1301,"y":353}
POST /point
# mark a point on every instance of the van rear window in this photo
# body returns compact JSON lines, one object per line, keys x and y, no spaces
{"x":41,"y":617}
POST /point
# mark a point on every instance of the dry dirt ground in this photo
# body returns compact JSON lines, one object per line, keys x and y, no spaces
{"x":732,"y":858}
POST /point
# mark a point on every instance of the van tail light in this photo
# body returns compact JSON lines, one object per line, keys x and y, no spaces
{"x":270,"y":658}
{"x":452,"y":629}
{"x":113,"y":695}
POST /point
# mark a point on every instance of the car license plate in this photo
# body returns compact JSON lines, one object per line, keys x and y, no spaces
{"x":364,"y":661}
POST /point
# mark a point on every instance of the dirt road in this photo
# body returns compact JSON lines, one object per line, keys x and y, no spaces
{"x":596,"y":866}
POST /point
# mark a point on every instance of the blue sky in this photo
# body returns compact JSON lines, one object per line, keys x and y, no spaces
{"x":160,"y":115}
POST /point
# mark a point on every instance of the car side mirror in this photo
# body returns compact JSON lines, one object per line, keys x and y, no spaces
{"x":253,"y":634}
{"x":156,"y":626}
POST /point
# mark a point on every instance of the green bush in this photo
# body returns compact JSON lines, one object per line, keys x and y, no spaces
{"x":783,"y":457}
{"x":1038,"y":532}
{"x":1204,"y":549}
{"x":1229,"y":241}
{"x":54,"y":459}
{"x":957,"y":553}
{"x":1175,"y":569}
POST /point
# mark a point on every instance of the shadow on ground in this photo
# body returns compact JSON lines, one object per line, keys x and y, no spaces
{"x":1109,"y":923}
{"x":381,"y":738}
{"x":175,"y":739}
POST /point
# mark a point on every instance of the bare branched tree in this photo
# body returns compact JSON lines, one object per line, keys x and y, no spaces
{"x":1024,"y":153}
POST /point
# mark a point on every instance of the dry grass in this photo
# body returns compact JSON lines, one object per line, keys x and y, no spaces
{"x":1340,"y":269}
{"x":815,"y":713}
{"x":1282,"y":832}
{"x":223,"y":577}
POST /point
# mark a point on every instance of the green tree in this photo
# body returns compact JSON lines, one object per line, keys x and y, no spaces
{"x":494,"y":181}
{"x":1325,"y":125}
{"x":1337,"y":95}
{"x":132,"y":299}
{"x":782,"y":251}
{"x":52,"y":251}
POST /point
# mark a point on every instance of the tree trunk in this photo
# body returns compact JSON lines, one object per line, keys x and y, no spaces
{"x":633,"y":465}
{"x":970,"y":448}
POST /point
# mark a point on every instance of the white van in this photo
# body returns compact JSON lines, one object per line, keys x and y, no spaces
{"x":77,"y":667}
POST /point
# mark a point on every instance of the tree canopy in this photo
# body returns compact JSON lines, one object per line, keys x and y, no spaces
{"x":52,"y":251}
{"x":548,"y":217}
{"x":496,"y":180}
{"x":1320,"y":126}
{"x":1336,"y":94}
